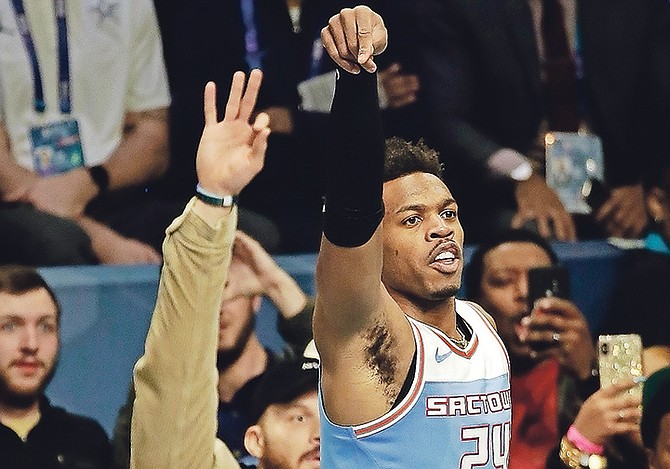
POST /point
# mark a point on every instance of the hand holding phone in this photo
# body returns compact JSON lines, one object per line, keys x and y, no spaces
{"x":556,"y":327}
{"x":620,"y":361}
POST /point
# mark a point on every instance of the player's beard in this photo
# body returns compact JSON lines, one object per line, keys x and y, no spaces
{"x":447,"y":292}
{"x":227,"y":357}
{"x":24,"y":400}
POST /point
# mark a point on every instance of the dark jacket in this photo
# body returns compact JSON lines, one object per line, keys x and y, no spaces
{"x":59,"y":440}
{"x":482,"y":88}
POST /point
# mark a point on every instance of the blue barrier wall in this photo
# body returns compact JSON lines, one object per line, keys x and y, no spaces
{"x":107,"y":309}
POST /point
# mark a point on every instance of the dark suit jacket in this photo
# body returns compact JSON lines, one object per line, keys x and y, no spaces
{"x":482,"y":87}
{"x":203,"y":40}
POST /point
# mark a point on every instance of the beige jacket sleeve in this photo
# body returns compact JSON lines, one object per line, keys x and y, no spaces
{"x":175,"y":410}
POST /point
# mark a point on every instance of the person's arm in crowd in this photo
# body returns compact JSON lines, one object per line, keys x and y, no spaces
{"x":563,"y":331}
{"x":561,"y":328}
{"x":537,"y":202}
{"x":605,"y":415}
{"x":142,"y":153}
{"x":400,"y":89}
{"x":624,"y":213}
{"x":270,"y":280}
{"x":175,"y":410}
{"x":274,"y":282}
{"x":110,"y":247}
{"x":141,"y":156}
{"x":15,"y":181}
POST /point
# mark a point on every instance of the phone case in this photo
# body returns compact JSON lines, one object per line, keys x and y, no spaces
{"x":570,"y":159}
{"x":620,"y":359}
{"x":547,"y":281}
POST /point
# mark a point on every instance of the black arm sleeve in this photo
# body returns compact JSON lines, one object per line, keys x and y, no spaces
{"x":354,"y":162}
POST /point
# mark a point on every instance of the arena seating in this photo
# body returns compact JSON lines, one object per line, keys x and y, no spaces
{"x":107,"y":309}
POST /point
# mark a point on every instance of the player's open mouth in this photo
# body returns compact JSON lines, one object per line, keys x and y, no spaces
{"x":446,"y":258}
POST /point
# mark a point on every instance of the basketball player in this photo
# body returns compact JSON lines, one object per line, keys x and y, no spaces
{"x":411,"y":377}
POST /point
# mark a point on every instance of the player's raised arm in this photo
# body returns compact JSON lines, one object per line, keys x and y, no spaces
{"x":349,"y":264}
{"x":362,"y":336}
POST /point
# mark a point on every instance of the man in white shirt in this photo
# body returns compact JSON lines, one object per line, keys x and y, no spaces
{"x":99,"y":64}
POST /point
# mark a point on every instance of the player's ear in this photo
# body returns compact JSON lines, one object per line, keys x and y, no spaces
{"x":254,"y":441}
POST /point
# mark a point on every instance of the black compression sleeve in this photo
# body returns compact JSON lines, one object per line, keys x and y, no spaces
{"x":354,"y":162}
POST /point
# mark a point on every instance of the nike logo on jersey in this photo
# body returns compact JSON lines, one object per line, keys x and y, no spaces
{"x":439,"y":358}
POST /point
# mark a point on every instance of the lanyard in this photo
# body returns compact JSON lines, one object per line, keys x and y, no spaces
{"x":64,"y":98}
{"x":253,"y":55}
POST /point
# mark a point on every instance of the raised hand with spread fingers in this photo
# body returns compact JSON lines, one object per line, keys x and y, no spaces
{"x":232,"y":151}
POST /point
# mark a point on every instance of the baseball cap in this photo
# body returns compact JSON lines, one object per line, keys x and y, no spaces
{"x":283,"y":382}
{"x":655,"y":404}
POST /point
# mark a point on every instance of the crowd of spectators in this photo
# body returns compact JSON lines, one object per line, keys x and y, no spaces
{"x":100,"y":122}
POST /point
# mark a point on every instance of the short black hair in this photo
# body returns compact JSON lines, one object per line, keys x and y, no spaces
{"x":403,"y":157}
{"x":475,"y":268}
{"x":20,"y":279}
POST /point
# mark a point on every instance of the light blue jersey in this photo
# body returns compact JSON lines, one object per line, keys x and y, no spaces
{"x":456,"y":415}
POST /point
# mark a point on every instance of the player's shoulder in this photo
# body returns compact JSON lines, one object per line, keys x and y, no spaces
{"x":481,"y":312}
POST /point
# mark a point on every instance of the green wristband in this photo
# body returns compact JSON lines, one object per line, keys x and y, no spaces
{"x":214,"y":199}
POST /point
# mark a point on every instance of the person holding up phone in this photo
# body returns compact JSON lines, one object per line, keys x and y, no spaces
{"x":554,"y":386}
{"x":644,"y":286}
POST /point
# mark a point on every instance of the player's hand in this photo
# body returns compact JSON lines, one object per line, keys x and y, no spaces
{"x":537,"y":202}
{"x":353,"y":37}
{"x":232,"y":151}
{"x":624,"y":214}
{"x":557,"y":328}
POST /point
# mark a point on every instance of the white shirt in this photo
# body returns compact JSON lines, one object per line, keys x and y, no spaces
{"x":116,"y":66}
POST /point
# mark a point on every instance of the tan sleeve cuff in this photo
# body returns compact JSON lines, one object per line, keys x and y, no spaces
{"x":195,"y":227}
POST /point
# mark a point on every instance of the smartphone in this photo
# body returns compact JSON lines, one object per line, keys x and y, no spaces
{"x":596,"y":193}
{"x":546,"y":282}
{"x":620,"y":360}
